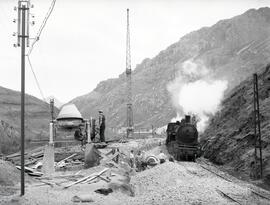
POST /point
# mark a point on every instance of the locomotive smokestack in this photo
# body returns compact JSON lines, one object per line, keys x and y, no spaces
{"x":187,"y":118}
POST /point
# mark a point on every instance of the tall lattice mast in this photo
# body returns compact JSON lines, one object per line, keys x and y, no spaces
{"x":129,"y":88}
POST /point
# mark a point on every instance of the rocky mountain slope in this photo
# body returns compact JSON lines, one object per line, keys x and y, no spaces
{"x":231,"y":49}
{"x":229,"y":139}
{"x":9,"y":138}
{"x":37,"y":117}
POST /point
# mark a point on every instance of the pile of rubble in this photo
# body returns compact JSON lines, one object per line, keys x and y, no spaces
{"x":111,"y":172}
{"x":73,"y":157}
{"x":65,"y":158}
{"x":9,"y":175}
{"x":9,"y":178}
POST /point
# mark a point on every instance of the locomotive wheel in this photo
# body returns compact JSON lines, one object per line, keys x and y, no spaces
{"x":194,"y":158}
{"x":176,"y":156}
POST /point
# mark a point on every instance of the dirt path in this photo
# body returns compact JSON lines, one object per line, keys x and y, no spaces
{"x":168,"y":183}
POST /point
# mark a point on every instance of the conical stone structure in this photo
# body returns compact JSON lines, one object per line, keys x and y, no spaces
{"x":69,"y":111}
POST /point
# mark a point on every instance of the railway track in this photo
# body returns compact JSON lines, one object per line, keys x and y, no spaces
{"x":223,"y":194}
{"x":227,"y":196}
{"x":215,"y":173}
{"x":204,"y":166}
{"x":220,"y":192}
{"x":229,"y":180}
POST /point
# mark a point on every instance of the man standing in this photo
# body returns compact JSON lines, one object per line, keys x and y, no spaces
{"x":132,"y":159}
{"x":138,"y":160}
{"x":101,"y":123}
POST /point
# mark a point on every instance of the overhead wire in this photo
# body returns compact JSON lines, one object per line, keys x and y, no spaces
{"x":33,"y":44}
{"x":51,"y":8}
{"x":32,"y":69}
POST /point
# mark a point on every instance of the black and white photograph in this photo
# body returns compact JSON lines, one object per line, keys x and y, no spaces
{"x":135,"y":102}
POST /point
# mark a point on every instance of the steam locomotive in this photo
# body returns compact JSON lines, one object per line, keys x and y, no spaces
{"x":182,"y":139}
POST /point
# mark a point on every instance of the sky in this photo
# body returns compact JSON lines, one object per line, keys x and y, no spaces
{"x":84,"y":41}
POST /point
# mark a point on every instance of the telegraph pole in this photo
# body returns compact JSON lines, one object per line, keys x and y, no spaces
{"x":23,"y":39}
{"x":257,"y":127}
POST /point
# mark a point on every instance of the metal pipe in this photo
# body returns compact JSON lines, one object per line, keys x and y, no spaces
{"x":51,"y":132}
{"x":88,"y":131}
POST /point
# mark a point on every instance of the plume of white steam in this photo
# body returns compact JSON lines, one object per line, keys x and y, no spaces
{"x":195,"y":91}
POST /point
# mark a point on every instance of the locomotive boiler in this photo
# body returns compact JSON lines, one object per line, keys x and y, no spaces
{"x":182,"y":139}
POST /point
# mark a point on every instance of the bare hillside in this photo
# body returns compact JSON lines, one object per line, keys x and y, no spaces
{"x":37,"y":117}
{"x":229,"y":138}
{"x":231,"y":49}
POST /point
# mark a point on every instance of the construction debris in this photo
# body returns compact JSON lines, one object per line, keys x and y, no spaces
{"x":87,"y":178}
{"x":31,"y":172}
{"x":48,"y":160}
{"x":92,"y":156}
{"x":82,"y":198}
{"x":113,"y":181}
{"x":63,"y":160}
{"x":106,"y":166}
{"x":31,"y":157}
{"x":104,"y":191}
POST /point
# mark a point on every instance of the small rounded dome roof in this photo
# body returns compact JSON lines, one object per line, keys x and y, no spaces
{"x":69,"y":111}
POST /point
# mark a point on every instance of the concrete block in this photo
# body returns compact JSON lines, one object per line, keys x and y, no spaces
{"x":48,"y":160}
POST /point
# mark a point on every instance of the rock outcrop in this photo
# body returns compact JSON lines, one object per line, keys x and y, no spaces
{"x":9,"y":138}
{"x":229,"y":138}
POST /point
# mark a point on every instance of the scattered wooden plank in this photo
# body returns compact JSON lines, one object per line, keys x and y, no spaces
{"x":104,"y":178}
{"x":14,"y":155}
{"x":114,"y":164}
{"x":43,"y":184}
{"x":35,"y":174}
{"x":48,"y":183}
{"x":26,"y":169}
{"x":37,"y":152}
{"x":85,"y":178}
{"x":38,"y":155}
{"x":107,"y":159}
{"x":65,"y":176}
{"x":108,"y":153}
{"x":63,"y":160}
{"x":90,"y":179}
{"x":30,"y":162}
{"x":97,"y":175}
{"x":78,"y":172}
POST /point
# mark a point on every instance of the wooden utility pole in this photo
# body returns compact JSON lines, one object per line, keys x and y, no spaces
{"x":257,"y":128}
{"x":23,"y":39}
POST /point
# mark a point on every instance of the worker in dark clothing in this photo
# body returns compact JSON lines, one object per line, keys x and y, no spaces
{"x":101,"y":122}
{"x":93,"y":129}
{"x":78,"y":135}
